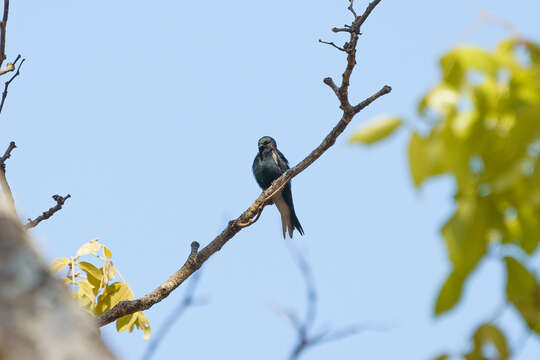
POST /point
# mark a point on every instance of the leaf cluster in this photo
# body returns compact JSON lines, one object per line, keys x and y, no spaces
{"x":94,"y":286}
{"x":484,"y":131}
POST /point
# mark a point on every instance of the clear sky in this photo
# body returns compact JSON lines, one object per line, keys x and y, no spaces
{"x":148,"y":114}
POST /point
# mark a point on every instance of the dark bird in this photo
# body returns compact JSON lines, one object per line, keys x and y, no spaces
{"x":269,"y":164}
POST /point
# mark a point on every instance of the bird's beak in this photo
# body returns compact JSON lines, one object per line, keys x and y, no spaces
{"x":261,"y":148}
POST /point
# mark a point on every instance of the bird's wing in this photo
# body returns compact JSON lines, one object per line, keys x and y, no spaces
{"x":281,"y":161}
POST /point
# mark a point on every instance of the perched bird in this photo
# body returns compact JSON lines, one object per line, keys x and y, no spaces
{"x":268,"y":165}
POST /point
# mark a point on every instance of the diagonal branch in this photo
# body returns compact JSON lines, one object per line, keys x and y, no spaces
{"x":6,"y":84}
{"x":60,"y":200}
{"x":3,"y":180}
{"x":196,"y":259}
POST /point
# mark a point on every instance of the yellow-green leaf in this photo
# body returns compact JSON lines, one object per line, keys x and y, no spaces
{"x":86,"y":289}
{"x":90,"y":247}
{"x":426,"y":157}
{"x":143,"y":324}
{"x":109,"y":271}
{"x":441,"y":357}
{"x":58,"y":265}
{"x":90,"y":269}
{"x":125,"y":322}
{"x":378,"y":129}
{"x":107,"y":252}
{"x":485,"y":334}
{"x":523,"y":291}
{"x":450,"y":292}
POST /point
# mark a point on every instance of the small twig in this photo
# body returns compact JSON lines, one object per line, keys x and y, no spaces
{"x":6,"y":85}
{"x":3,"y":180}
{"x":351,"y":9}
{"x":60,"y":200}
{"x":332,"y":44}
{"x":7,"y":155}
{"x":187,"y":301}
{"x":305,"y":335}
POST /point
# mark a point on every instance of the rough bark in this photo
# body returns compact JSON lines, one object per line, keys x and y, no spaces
{"x":38,"y":318}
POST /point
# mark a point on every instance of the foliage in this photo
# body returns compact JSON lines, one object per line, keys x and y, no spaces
{"x":376,"y":130}
{"x":484,"y":131}
{"x":93,"y":286}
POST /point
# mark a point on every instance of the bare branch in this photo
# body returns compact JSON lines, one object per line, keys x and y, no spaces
{"x":328,"y":43}
{"x":3,"y":33}
{"x":60,"y":200}
{"x":7,"y":155}
{"x":187,"y":301}
{"x":305,"y":336}
{"x":3,"y":180}
{"x":351,"y":9}
{"x":6,"y":84}
{"x":248,"y":217}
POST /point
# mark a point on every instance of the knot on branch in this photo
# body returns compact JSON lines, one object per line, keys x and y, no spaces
{"x":192,"y":258}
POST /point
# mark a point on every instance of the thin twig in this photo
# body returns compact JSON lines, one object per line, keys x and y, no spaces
{"x":6,"y":85}
{"x":187,"y":301}
{"x":306,"y":337}
{"x":60,"y":200}
{"x":332,"y":44}
{"x":7,"y":155}
{"x":196,"y":260}
{"x":3,"y":179}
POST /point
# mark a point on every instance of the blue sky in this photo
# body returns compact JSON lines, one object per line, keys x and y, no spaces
{"x":149,"y":115}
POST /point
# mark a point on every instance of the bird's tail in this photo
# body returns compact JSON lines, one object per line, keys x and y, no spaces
{"x":296,"y":223}
{"x":289,"y":221}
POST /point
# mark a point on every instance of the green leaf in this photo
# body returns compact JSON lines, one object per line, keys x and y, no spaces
{"x":450,"y":292}
{"x":125,"y":322}
{"x":442,"y":357}
{"x":378,"y":129}
{"x":86,"y":289}
{"x":144,"y":325}
{"x":523,"y":291}
{"x":112,"y":295}
{"x":485,"y":334}
{"x":90,"y":269}
{"x":425,"y":157}
{"x":466,"y":238}
{"x":457,"y":62}
{"x":441,"y":98}
{"x":58,"y":265}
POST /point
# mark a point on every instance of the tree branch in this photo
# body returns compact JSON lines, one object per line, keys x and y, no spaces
{"x":60,"y":200}
{"x":3,"y":33}
{"x":196,"y":259}
{"x":6,"y":84}
{"x":3,"y":180}
{"x":304,"y":329}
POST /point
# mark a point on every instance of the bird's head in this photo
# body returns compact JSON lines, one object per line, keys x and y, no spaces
{"x":266,"y":142}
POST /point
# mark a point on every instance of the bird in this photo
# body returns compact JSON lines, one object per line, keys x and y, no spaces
{"x":269,"y":164}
